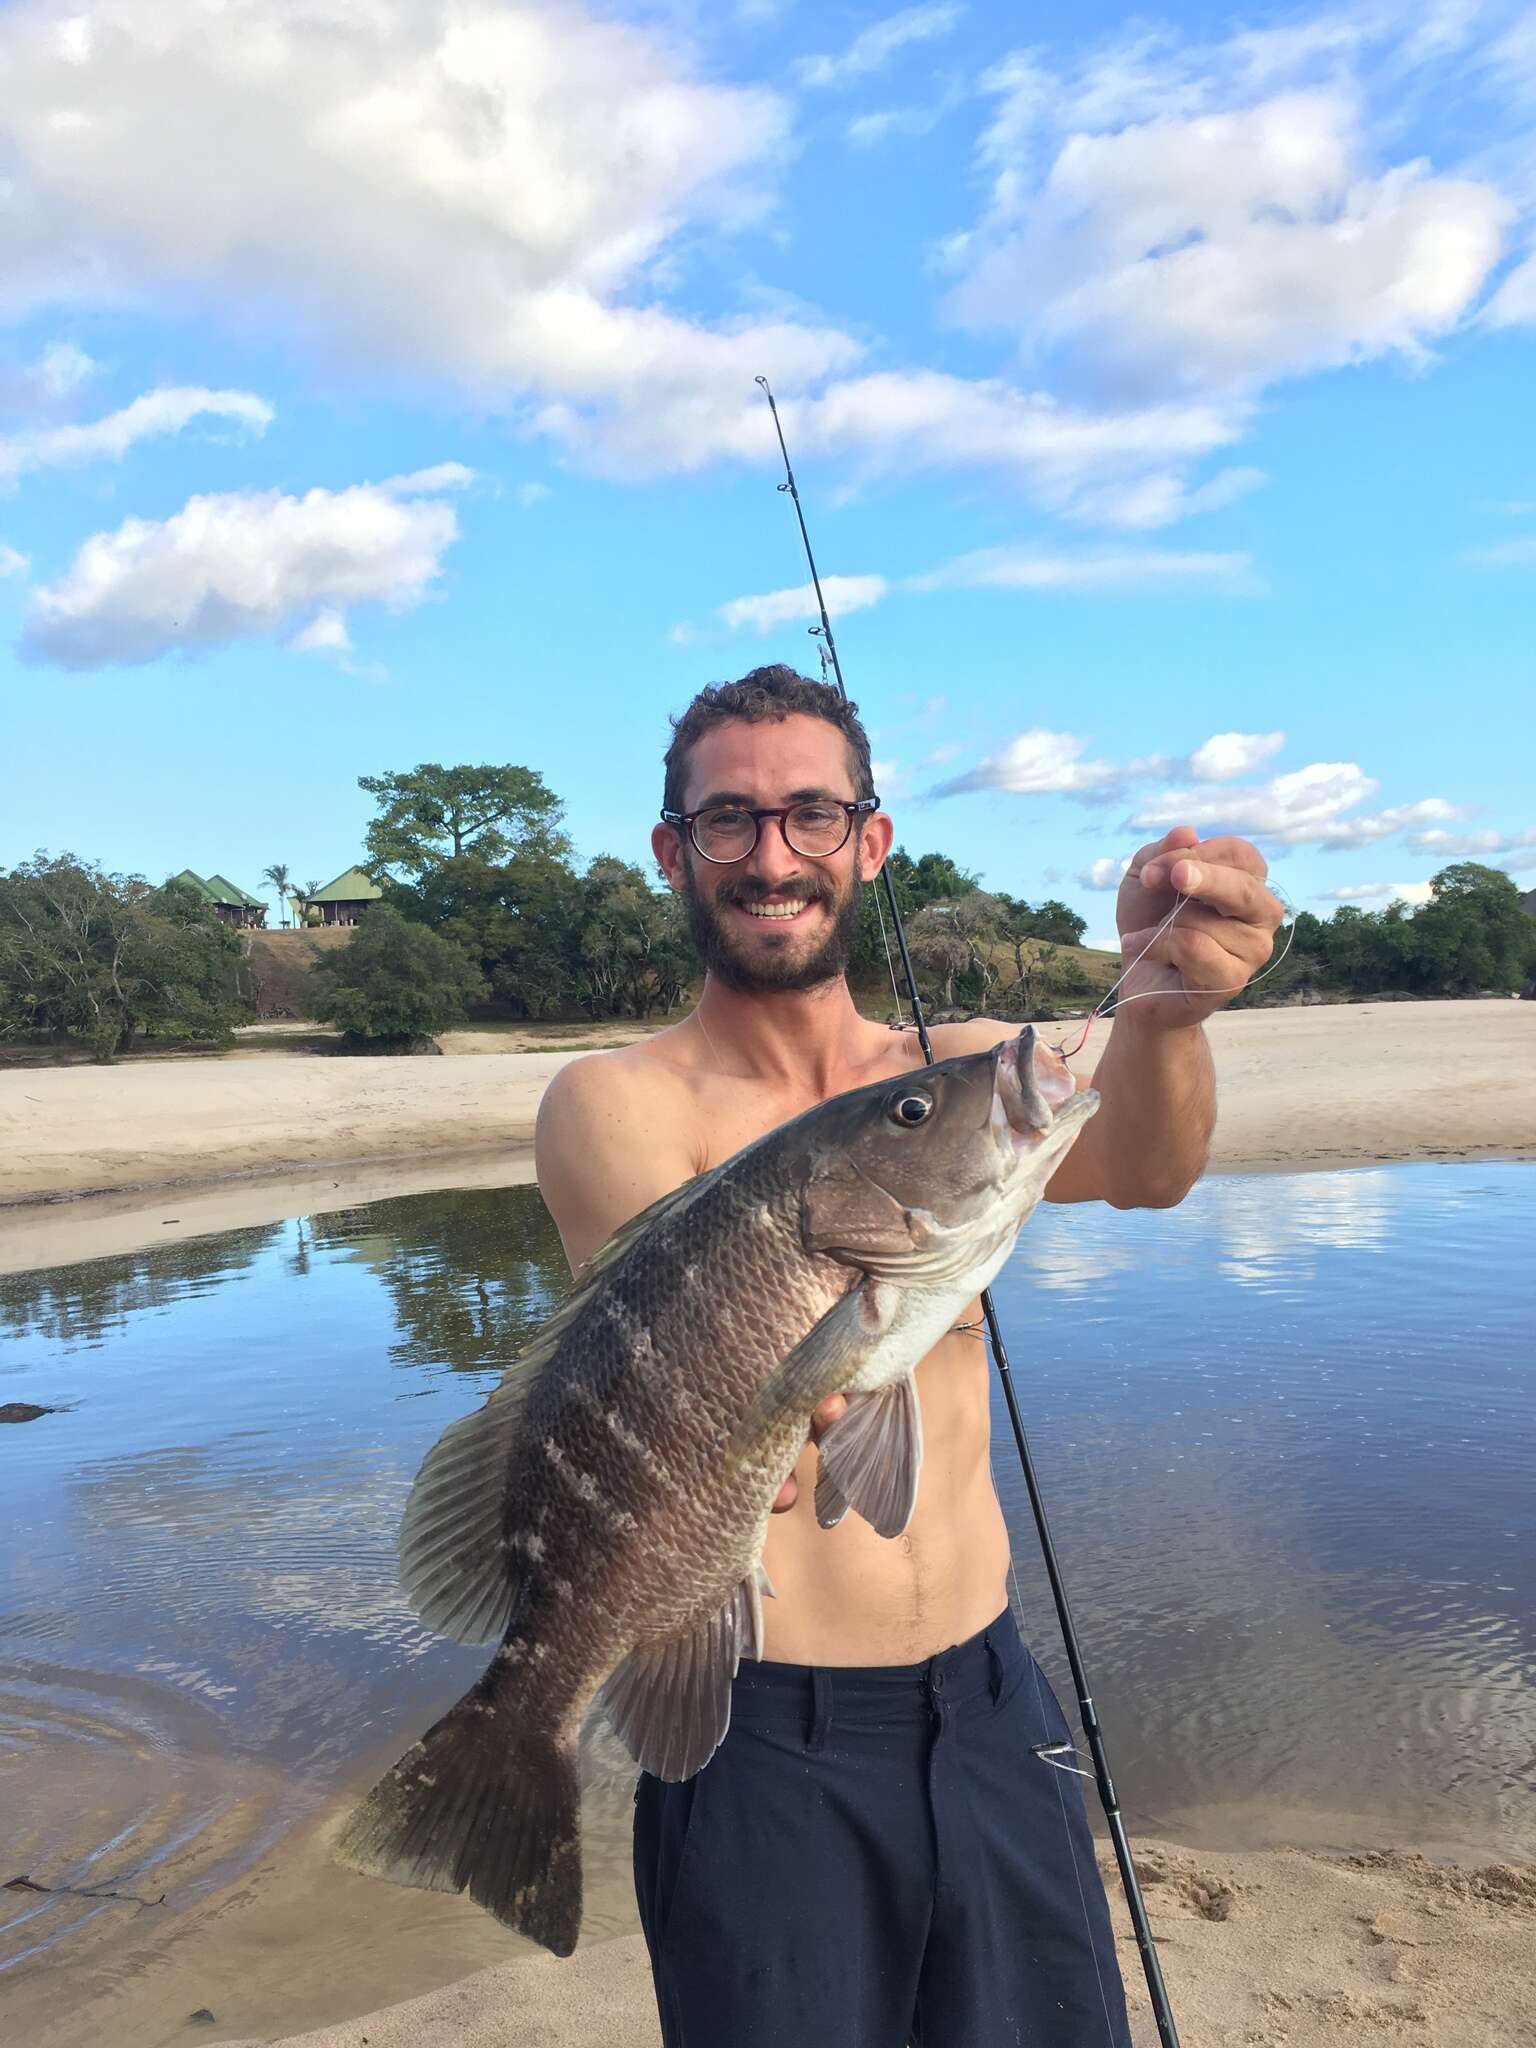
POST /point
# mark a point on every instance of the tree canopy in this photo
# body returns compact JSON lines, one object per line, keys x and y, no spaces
{"x":105,"y":958}
{"x":394,"y":981}
{"x":430,"y":814}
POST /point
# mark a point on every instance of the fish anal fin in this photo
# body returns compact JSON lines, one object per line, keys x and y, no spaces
{"x":670,"y":1703}
{"x":871,"y":1457}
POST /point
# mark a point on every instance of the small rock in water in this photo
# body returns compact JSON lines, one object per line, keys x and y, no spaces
{"x":23,"y":1411}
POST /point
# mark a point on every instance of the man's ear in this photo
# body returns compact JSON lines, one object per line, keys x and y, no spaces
{"x":874,"y":844}
{"x":668,"y":849}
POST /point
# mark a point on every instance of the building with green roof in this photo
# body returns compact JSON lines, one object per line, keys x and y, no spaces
{"x":344,"y":900}
{"x":229,"y":901}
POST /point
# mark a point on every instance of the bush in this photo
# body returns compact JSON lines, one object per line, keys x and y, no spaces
{"x":393,"y":982}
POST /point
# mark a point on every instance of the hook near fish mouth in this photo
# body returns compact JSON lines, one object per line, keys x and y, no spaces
{"x":1037,"y":1090}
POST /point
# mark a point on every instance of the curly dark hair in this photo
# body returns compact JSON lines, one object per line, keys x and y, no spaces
{"x":774,"y":692}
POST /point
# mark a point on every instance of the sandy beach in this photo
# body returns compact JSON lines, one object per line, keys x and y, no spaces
{"x":1329,"y":1933}
{"x":1345,"y":1085}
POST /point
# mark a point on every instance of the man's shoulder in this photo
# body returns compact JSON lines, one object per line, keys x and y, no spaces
{"x":978,"y":1034}
{"x":622,"y":1079}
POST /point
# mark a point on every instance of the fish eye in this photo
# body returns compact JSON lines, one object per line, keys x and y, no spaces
{"x":914,"y":1108}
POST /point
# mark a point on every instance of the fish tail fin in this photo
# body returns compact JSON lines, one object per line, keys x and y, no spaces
{"x":486,"y":1802}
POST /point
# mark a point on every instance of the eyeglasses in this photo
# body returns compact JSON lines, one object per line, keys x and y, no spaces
{"x":727,"y":832}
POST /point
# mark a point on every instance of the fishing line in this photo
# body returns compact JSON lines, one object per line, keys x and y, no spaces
{"x":1108,"y":1798}
{"x":1101,"y":1007}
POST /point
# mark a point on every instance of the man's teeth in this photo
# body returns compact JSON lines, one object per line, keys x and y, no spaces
{"x":776,"y":909}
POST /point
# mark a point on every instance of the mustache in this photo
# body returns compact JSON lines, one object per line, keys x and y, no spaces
{"x":750,"y":889}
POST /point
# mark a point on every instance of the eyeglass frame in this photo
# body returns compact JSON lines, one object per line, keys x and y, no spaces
{"x":851,"y":808}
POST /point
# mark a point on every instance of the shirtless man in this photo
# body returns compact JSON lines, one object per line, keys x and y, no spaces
{"x":875,"y":1855}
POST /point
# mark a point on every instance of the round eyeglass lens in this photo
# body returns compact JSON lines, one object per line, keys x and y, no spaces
{"x":724,"y":834}
{"x":816,"y":828}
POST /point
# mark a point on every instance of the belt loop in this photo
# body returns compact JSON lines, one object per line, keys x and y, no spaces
{"x":994,"y":1669}
{"x":821,"y":1709}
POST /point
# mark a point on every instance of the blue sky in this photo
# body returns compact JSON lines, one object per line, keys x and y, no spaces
{"x":376,"y":386}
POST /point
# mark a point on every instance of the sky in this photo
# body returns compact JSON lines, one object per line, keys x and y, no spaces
{"x":377,"y":386}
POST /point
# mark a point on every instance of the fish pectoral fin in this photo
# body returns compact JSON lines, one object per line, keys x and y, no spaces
{"x":670,"y":1703}
{"x":825,"y":1361}
{"x":831,"y":1501}
{"x":871,"y":1457}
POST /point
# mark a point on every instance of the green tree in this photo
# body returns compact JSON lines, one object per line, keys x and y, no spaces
{"x":430,"y":814}
{"x":392,"y":982}
{"x":519,"y":920}
{"x":1473,"y":934}
{"x":278,"y":875}
{"x":635,"y":948}
{"x":105,"y":958}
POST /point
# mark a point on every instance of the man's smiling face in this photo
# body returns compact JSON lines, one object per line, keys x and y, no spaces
{"x":776,"y":919}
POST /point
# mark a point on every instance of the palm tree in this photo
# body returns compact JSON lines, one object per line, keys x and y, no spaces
{"x":277,"y":875}
{"x":312,"y":889}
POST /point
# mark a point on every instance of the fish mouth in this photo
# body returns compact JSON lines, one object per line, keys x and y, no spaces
{"x":1037,"y":1105}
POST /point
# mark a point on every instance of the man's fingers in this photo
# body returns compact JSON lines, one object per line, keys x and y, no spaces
{"x":822,"y":1418}
{"x":826,"y":1413}
{"x":1230,"y":891}
{"x":1156,"y":871}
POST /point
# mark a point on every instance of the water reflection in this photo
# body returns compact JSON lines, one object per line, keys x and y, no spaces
{"x":471,"y":1275}
{"x":1284,"y":1433}
{"x":71,"y":1305}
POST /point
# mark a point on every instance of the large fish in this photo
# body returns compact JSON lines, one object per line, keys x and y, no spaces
{"x":603,"y":1514}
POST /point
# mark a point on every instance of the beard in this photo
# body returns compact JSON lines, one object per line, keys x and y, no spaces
{"x":775,"y":973}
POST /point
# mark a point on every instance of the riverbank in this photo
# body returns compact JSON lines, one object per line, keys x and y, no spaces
{"x":1330,"y":1086}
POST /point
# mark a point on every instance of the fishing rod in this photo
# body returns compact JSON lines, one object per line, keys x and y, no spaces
{"x":1167,"y":2032}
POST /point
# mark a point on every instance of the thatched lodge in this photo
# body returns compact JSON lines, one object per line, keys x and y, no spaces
{"x":342,"y":901}
{"x":229,"y":901}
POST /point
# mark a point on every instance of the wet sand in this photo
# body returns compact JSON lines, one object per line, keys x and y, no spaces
{"x":1346,"y":1085}
{"x":1320,"y":1947}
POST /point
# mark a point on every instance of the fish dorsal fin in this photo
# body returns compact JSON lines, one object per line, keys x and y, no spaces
{"x":456,"y":1567}
{"x":670,"y":1703}
{"x":871,"y":1458}
{"x":461,"y":1569}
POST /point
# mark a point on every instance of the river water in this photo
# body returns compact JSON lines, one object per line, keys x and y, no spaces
{"x":1285,"y":1432}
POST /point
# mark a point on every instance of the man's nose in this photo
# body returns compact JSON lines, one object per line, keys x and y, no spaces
{"x":773,"y":860}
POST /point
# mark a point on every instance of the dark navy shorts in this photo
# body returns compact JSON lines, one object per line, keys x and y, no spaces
{"x":876,"y":1857}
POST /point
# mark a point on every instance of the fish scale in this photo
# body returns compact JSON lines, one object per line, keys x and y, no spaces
{"x":604,"y":1513}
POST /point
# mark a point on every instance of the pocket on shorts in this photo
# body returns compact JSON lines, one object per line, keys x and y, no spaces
{"x":694,"y":1789}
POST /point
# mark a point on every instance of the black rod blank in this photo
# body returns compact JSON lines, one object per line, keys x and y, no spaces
{"x":1157,"y":1991}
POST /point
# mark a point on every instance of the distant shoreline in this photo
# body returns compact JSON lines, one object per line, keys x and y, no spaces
{"x":96,"y":1159}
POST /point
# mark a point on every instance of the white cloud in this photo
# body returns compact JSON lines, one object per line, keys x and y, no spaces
{"x":1519,"y":553}
{"x":1020,"y":568}
{"x":1514,"y":303}
{"x":1378,"y":892}
{"x":1452,"y":845}
{"x":1036,"y":763}
{"x":874,"y":48}
{"x":440,"y":476}
{"x":326,"y":633}
{"x":1226,"y":755}
{"x":489,"y":195}
{"x":844,"y":594}
{"x":1305,"y":807}
{"x":239,"y":564}
{"x":1103,"y":874}
{"x":531,"y":494}
{"x":12,"y":563}
{"x":61,"y":367}
{"x":1217,"y":251}
{"x":1163,"y":496}
{"x":157,"y":412}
